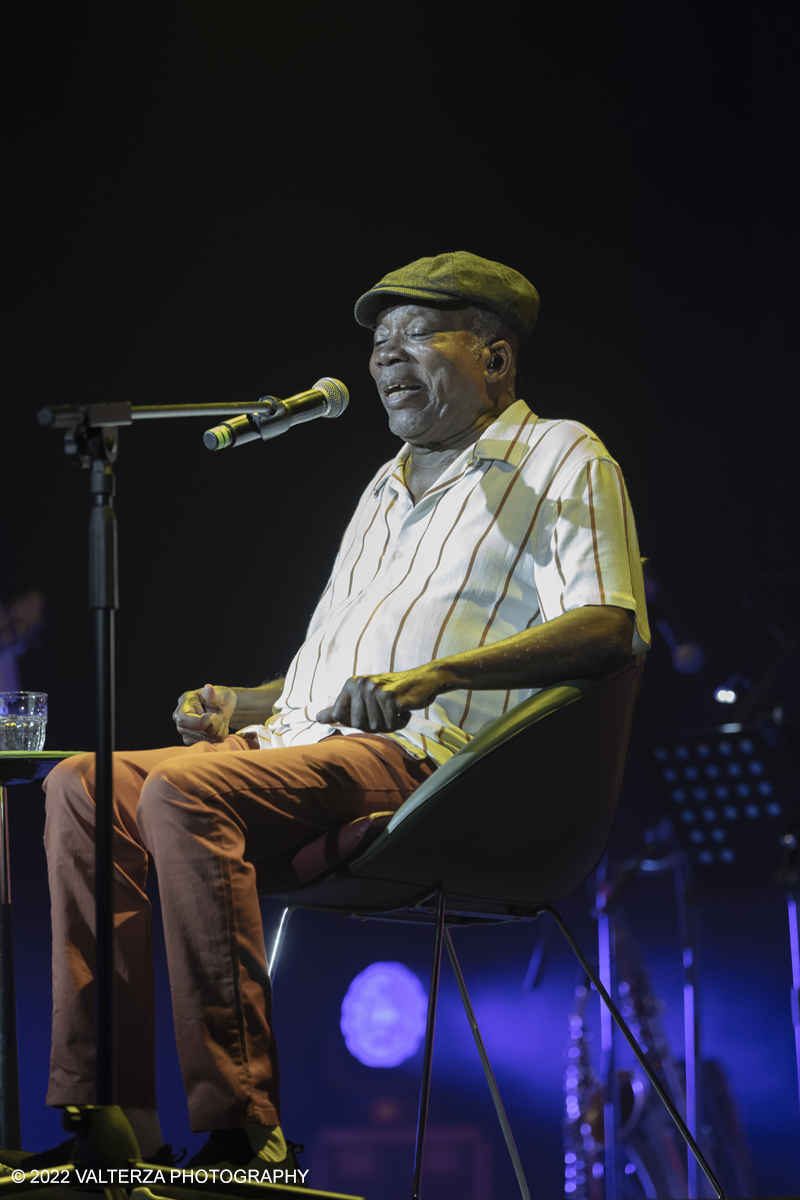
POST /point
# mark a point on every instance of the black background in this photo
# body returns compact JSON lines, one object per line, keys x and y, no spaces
{"x":196,"y":194}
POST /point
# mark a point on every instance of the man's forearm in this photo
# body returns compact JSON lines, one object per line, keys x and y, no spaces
{"x":583,"y":642}
{"x":586,"y":642}
{"x":254,"y":705}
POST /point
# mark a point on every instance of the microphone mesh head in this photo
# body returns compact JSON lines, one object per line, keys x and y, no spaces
{"x":337,"y":393}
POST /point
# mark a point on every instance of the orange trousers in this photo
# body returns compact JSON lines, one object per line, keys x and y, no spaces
{"x":210,"y":818}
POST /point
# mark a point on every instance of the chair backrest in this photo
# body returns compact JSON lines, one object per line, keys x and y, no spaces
{"x":522,"y":814}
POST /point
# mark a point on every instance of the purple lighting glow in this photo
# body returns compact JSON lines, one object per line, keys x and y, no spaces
{"x":383,"y":1015}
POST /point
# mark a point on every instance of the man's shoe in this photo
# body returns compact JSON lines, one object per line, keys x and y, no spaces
{"x":65,"y":1153}
{"x":59,"y":1156}
{"x":164,"y":1157}
{"x":230,"y":1149}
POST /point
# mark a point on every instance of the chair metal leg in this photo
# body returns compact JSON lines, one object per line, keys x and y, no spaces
{"x":424,"y":1094}
{"x":606,"y":946}
{"x":487,"y":1070}
{"x":692,"y":1057}
{"x":277,"y":945}
{"x":634,"y":1045}
{"x":794,"y":947}
{"x":534,"y":972}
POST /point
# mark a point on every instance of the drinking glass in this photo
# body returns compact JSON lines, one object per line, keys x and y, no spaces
{"x":23,"y":719}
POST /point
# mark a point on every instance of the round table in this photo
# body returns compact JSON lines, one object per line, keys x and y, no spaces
{"x":16,"y":766}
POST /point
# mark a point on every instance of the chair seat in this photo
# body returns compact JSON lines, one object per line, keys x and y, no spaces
{"x":516,"y":819}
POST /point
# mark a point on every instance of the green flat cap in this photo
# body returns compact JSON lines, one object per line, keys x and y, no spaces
{"x":458,"y":276}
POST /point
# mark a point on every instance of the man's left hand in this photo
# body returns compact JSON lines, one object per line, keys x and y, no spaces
{"x":383,"y":703}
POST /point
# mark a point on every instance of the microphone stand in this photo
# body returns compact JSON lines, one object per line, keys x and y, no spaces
{"x":91,"y":437}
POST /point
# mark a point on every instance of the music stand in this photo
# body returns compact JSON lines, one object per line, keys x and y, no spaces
{"x":732,"y":796}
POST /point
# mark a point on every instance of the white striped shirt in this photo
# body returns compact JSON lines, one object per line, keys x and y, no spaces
{"x":531,"y":521}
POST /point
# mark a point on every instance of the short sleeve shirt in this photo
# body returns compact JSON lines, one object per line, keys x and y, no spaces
{"x":531,"y":521}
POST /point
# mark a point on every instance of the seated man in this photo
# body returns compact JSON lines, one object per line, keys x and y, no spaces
{"x":495,"y":555}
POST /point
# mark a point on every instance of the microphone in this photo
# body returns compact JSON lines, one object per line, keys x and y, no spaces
{"x":327,"y":398}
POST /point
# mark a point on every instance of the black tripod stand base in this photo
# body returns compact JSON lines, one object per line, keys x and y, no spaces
{"x":234,"y":1191}
{"x":138,"y":1181}
{"x":103,"y":1136}
{"x":106,"y":1157}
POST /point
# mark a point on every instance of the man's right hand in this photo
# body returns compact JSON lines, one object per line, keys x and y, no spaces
{"x":204,"y":715}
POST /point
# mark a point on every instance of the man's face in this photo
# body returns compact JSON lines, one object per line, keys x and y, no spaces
{"x":431,"y":384}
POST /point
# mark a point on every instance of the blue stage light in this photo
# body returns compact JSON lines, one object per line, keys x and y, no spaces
{"x":687,"y":657}
{"x":383,"y":1015}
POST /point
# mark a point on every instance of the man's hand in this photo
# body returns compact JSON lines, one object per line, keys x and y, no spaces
{"x":583,"y":643}
{"x":382,"y":703}
{"x":204,"y":715}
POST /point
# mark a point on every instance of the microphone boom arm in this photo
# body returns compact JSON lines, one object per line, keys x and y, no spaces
{"x":267,"y":417}
{"x":99,"y":416}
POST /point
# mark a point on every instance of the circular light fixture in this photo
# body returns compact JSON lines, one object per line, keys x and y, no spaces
{"x":383,"y":1015}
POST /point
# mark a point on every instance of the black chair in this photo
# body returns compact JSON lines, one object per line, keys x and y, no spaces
{"x":511,"y":824}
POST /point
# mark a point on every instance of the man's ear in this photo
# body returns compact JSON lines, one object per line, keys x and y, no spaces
{"x":500,"y":364}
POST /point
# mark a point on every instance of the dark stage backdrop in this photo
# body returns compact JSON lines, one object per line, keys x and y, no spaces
{"x":196,"y":194}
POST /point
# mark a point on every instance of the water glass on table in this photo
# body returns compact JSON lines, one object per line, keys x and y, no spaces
{"x":23,"y":720}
